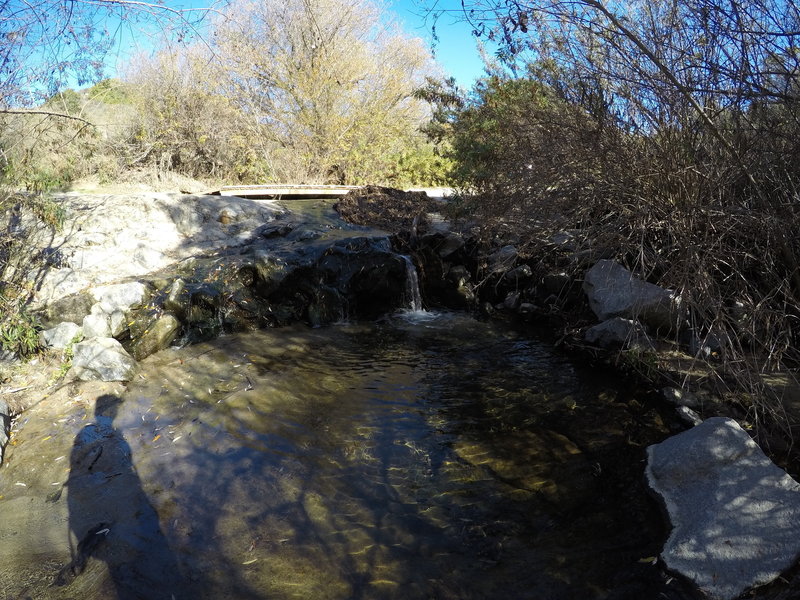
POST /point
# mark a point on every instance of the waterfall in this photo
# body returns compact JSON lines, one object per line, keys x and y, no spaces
{"x":412,"y":287}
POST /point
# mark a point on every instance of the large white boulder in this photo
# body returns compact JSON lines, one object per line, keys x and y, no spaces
{"x":101,"y":359}
{"x":113,"y":237}
{"x":120,"y":296}
{"x":613,"y":291}
{"x":735,"y":515}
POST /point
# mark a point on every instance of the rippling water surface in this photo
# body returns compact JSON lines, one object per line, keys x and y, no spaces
{"x":426,"y":456}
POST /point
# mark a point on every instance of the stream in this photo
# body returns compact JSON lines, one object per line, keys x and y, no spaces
{"x":422,"y":455}
{"x":429,"y":456}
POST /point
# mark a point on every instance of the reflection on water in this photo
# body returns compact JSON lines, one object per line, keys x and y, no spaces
{"x":406,"y":459}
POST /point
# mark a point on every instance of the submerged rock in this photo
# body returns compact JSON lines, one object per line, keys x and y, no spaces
{"x":101,"y":359}
{"x":735,"y":514}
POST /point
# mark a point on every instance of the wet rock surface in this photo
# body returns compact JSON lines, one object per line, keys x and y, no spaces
{"x":735,"y":514}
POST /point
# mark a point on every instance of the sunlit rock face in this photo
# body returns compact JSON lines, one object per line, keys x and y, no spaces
{"x":735,"y":514}
{"x":111,"y":237}
{"x":267,"y":266}
{"x":102,"y":358}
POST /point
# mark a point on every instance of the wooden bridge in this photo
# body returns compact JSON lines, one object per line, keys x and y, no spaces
{"x":285,"y":191}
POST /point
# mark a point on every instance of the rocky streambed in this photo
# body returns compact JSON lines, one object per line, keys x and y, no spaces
{"x":361,"y":446}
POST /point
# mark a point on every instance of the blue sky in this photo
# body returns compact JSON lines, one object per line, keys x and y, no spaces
{"x":456,"y":49}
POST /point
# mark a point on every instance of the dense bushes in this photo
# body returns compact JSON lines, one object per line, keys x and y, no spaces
{"x":711,"y":211}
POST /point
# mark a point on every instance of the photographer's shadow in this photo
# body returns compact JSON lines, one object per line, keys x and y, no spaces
{"x":111,"y":518}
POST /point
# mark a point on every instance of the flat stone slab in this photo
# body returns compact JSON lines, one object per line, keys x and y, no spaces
{"x":735,"y":514}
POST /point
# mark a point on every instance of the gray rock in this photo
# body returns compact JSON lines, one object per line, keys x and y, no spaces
{"x":556,"y":283}
{"x":735,"y":515}
{"x":449,"y":245}
{"x":678,"y":397}
{"x":177,"y":300}
{"x":60,"y":336}
{"x":616,"y":333}
{"x":101,"y":246}
{"x":710,"y":345}
{"x":228,"y":215}
{"x":148,"y":258}
{"x":96,"y":326}
{"x":561,"y":286}
{"x":58,"y":283}
{"x":512,"y":300}
{"x":120,"y":296}
{"x":458,"y":274}
{"x":689,"y":416}
{"x":101,"y":359}
{"x":564,"y":239}
{"x":503,"y":259}
{"x":117,"y":322}
{"x":519,"y":275}
{"x":5,"y":426}
{"x":71,"y":308}
{"x":613,"y":291}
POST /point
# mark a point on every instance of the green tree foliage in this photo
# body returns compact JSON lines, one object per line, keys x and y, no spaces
{"x":300,"y":91}
{"x":330,"y":83}
{"x":110,"y":91}
{"x":46,"y":137}
{"x":184,"y":124}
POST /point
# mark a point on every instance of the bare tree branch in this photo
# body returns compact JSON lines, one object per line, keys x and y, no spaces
{"x":47,"y":113}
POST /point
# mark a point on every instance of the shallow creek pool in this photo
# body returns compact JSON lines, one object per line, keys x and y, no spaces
{"x":424,"y":456}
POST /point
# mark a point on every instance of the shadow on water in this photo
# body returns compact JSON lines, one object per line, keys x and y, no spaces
{"x":111,"y":518}
{"x":392,"y":462}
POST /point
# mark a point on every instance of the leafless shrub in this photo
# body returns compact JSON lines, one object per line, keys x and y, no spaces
{"x":664,"y":135}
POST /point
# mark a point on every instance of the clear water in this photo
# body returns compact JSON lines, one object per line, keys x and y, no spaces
{"x":436,"y":458}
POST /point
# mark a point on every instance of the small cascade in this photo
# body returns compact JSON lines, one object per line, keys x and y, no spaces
{"x":414,"y":313}
{"x":412,"y":287}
